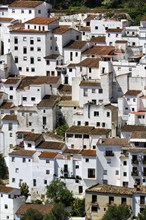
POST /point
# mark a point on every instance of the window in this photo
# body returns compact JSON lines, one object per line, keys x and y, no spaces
{"x":29,"y":11}
{"x":77,"y":166}
{"x":96,"y":27}
{"x":6,"y":206}
{"x":103,"y":124}
{"x":111,"y":199}
{"x":31,"y":41}
{"x":27,"y":69}
{"x":94,"y":198}
{"x":90,"y":70}
{"x":11,"y":135}
{"x":22,"y":11}
{"x":76,"y":54}
{"x":94,"y":209}
{"x":25,"y":50}
{"x":24,"y":98}
{"x":100,"y":91}
{"x":32,"y":69}
{"x":47,"y":161}
{"x":45,"y":182}
{"x":15,"y":40}
{"x":32,"y":98}
{"x":124,"y":173}
{"x":20,"y":68}
{"x":39,"y":11}
{"x":80,"y":69}
{"x":86,"y":123}
{"x":47,"y":171}
{"x":38,"y":39}
{"x":13,"y":159}
{"x":108,"y":161}
{"x":31,"y":60}
{"x":44,"y":120}
{"x":56,"y":48}
{"x":15,"y":48}
{"x":30,"y":123}
{"x":78,"y":136}
{"x":31,"y":48}
{"x":85,"y":92}
{"x":80,"y":189}
{"x":13,"y":180}
{"x":16,"y":170}
{"x":39,"y":59}
{"x":84,"y":146}
{"x":117,"y":172}
{"x":123,"y":200}
{"x":34,"y":182}
{"x":86,"y":136}
{"x":28,"y":26}
{"x":125,"y":184}
{"x":104,"y":172}
{"x":98,"y":124}
{"x":13,"y":10}
{"x":87,"y":160}
{"x":108,"y":114}
{"x":93,"y":90}
{"x":96,"y":113}
{"x":23,"y":160}
{"x":16,"y":59}
{"x":10,"y":126}
{"x":124,"y":163}
{"x":134,"y":100}
{"x":78,"y":123}
{"x":38,"y":49}
{"x":70,"y":69}
{"x":29,"y":144}
{"x":91,"y":173}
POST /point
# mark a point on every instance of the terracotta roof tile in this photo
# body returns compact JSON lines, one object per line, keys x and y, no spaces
{"x":100,"y":50}
{"x":78,"y":44}
{"x":100,"y":131}
{"x":25,"y":4}
{"x":99,"y":39}
{"x":44,"y":209}
{"x":32,"y":137}
{"x":6,"y":105}
{"x":21,"y":30}
{"x":47,"y":154}
{"x":27,"y":153}
{"x":113,"y":141}
{"x":52,"y":56}
{"x":85,"y":28}
{"x":121,"y":41}
{"x":132,"y":92}
{"x":131,"y":128}
{"x":6,"y":189}
{"x":69,"y":103}
{"x":51,"y":145}
{"x":48,"y":101}
{"x":80,"y":129}
{"x":138,"y":135}
{"x":10,"y":118}
{"x":114,"y":30}
{"x":90,"y":17}
{"x":89,"y":83}
{"x":90,"y":62}
{"x":72,"y":151}
{"x":45,"y":79}
{"x":65,"y":89}
{"x":61,"y":29}
{"x":12,"y":81}
{"x":41,"y":20}
{"x":6,"y":19}
{"x":26,"y":81}
{"x":91,"y":153}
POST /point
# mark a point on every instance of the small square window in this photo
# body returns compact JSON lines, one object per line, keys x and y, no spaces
{"x":6,"y":206}
{"x":124,"y":163}
{"x":23,"y":160}
{"x":45,"y":182}
{"x":47,"y":171}
{"x":87,"y":160}
{"x":125,"y":174}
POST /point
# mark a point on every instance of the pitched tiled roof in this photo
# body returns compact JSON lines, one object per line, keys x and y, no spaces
{"x":10,"y":118}
{"x":45,"y":79}
{"x":91,"y":153}
{"x":121,"y":41}
{"x":99,"y":39}
{"x":44,"y":209}
{"x":51,"y":145}
{"x":114,"y":30}
{"x":27,"y":153}
{"x":100,"y":131}
{"x":46,"y":154}
{"x":61,"y":29}
{"x":52,"y":56}
{"x":85,"y":28}
{"x":6,"y":105}
{"x":111,"y":189}
{"x":69,"y":103}
{"x":32,"y":137}
{"x":99,"y":50}
{"x":90,"y":62}
{"x":65,"y":89}
{"x":21,"y":30}
{"x":25,"y":4}
{"x":12,"y":81}
{"x":41,"y":20}
{"x":90,"y":17}
{"x":78,"y":44}
{"x":131,"y":128}
{"x":26,"y":81}
{"x":133,"y":92}
{"x":138,"y":135}
{"x":6,"y":189}
{"x":72,"y":151}
{"x":113,"y":141}
{"x":48,"y":101}
{"x":80,"y":129}
{"x":89,"y":83}
{"x":6,"y":19}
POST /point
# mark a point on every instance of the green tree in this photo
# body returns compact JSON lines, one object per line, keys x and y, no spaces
{"x":78,"y":207}
{"x":58,"y":192}
{"x":24,"y":189}
{"x":3,"y":168}
{"x":142,"y":216}
{"x":121,"y":212}
{"x":57,"y":213}
{"x":60,"y":130}
{"x":32,"y":214}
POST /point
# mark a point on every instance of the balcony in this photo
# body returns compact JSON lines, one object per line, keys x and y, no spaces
{"x":134,"y":173}
{"x":134,"y":161}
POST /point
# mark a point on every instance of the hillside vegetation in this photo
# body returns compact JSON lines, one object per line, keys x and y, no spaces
{"x":135,"y":8}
